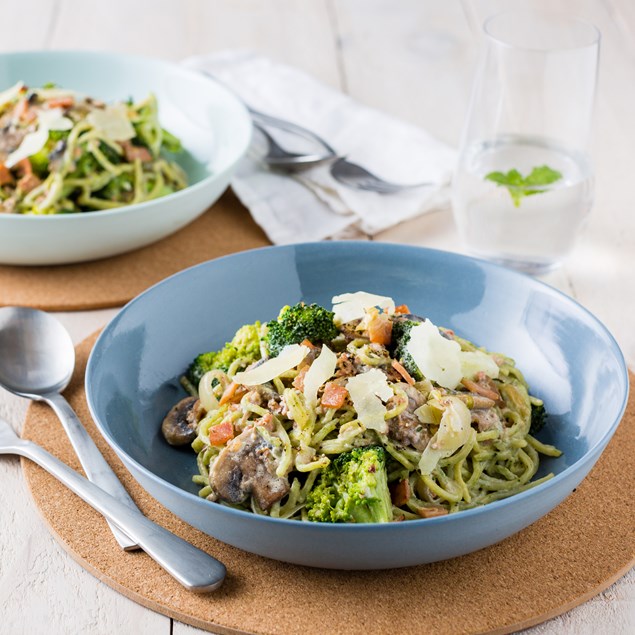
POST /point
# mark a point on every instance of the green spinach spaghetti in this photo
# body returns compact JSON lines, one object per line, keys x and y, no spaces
{"x":63,"y":152}
{"x":366,"y":413}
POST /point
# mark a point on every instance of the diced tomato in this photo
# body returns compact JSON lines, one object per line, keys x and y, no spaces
{"x":402,"y":308}
{"x":5,"y":175}
{"x":221,"y":433}
{"x":298,"y":382}
{"x":60,"y":102}
{"x":334,"y":395}
{"x":308,"y":343}
{"x":380,"y":329}
{"x":400,"y":492}
{"x":403,"y":372}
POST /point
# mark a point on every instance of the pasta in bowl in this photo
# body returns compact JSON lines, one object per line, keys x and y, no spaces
{"x":103,"y":153}
{"x":567,"y":357}
{"x":366,"y":413}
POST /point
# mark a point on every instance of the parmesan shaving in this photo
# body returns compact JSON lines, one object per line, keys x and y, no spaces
{"x":112,"y":122}
{"x":352,"y":306}
{"x":321,"y":370}
{"x":437,"y":357}
{"x":474,"y":362}
{"x":454,"y":431}
{"x":441,"y":360}
{"x":367,"y":391}
{"x":34,"y":141}
{"x":289,"y":357}
{"x":31,"y":144}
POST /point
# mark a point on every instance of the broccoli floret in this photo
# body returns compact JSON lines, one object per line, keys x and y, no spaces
{"x":300,"y":322}
{"x":353,"y":488}
{"x":400,"y":337}
{"x":538,"y":418}
{"x":245,"y":345}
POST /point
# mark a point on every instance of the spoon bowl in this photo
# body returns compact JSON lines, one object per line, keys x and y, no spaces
{"x":38,"y":357}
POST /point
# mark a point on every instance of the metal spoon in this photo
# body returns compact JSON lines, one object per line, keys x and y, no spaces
{"x":360,"y":178}
{"x":192,"y":567}
{"x":342,"y":170}
{"x":278,"y":157}
{"x":37,"y":359}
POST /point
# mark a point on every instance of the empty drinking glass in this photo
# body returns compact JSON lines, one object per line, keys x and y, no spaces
{"x":524,"y":184}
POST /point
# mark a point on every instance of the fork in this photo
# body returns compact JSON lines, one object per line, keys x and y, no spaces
{"x":342,"y":170}
{"x":193,"y":568}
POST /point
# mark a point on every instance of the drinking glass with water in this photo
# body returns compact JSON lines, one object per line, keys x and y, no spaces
{"x":524,"y":183}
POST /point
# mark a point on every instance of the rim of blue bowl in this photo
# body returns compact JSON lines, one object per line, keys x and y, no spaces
{"x":448,"y":519}
{"x":174,"y":196}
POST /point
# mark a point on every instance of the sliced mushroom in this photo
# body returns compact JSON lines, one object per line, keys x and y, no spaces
{"x":247,"y":466}
{"x":179,"y":425}
{"x":405,"y":428}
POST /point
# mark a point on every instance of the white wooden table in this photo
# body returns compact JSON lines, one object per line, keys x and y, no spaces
{"x":412,"y":58}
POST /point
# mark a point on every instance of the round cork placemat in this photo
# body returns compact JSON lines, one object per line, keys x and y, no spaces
{"x":567,"y":557}
{"x":225,"y":228}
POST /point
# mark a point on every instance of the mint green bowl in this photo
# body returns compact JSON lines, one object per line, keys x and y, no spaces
{"x":213,"y":126}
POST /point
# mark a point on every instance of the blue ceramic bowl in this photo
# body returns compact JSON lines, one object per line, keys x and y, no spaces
{"x":212,"y":124}
{"x":567,"y":355}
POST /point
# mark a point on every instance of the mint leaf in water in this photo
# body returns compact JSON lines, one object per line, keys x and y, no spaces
{"x":519,"y":185}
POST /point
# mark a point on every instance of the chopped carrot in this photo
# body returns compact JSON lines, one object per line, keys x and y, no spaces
{"x":298,"y":382}
{"x":308,"y":343}
{"x":221,"y":433}
{"x":231,"y":393}
{"x":402,"y":308}
{"x":431,"y":512}
{"x":380,"y":329}
{"x":479,"y":389}
{"x":5,"y":175}
{"x":60,"y":102}
{"x":400,"y":492}
{"x":334,"y":395}
{"x":403,"y":372}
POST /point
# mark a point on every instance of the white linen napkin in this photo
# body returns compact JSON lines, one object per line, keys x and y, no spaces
{"x":311,"y":205}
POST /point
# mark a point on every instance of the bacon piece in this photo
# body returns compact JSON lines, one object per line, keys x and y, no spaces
{"x":400,"y":492}
{"x":60,"y":102}
{"x":133,"y":152}
{"x":298,"y":382}
{"x":431,"y":512}
{"x":28,"y":182}
{"x":5,"y":175}
{"x":480,"y":389}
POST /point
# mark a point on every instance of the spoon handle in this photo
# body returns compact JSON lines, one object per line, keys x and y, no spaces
{"x":192,"y":567}
{"x":95,"y":466}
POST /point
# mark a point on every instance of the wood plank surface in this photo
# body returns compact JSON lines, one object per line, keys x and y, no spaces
{"x":412,"y":58}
